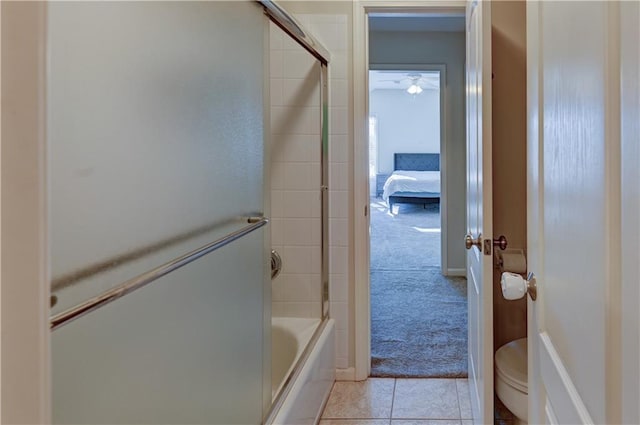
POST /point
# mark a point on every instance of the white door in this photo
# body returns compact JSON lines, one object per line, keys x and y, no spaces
{"x":581,"y":209}
{"x":479,"y":210}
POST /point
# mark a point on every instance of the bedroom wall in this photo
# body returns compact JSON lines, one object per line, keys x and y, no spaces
{"x":406,"y":123}
{"x":296,"y":227}
{"x":448,"y":48}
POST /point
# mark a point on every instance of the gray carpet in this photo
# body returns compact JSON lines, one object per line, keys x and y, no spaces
{"x":418,"y":316}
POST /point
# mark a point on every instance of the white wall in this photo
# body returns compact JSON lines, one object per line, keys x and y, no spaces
{"x":446,"y":48}
{"x":296,"y":227}
{"x":406,"y":123}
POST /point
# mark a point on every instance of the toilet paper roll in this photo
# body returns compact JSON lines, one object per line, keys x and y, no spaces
{"x":514,"y":262}
{"x":513,"y":286}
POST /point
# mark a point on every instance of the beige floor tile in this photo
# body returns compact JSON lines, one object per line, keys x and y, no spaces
{"x":464,"y":398}
{"x":370,"y":399}
{"x":354,"y":422}
{"x":425,"y":422}
{"x":426,"y":399}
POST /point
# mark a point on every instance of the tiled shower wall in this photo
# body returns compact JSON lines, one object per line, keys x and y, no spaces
{"x":332,"y":31}
{"x":295,"y":177}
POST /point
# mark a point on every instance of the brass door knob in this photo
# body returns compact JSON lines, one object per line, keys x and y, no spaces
{"x":501,"y":242}
{"x":470,"y":242}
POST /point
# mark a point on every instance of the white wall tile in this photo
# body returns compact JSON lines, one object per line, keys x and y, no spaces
{"x":339,"y":123}
{"x":338,"y":176}
{"x":297,"y":204}
{"x":297,"y":176}
{"x":339,"y":65}
{"x":275,"y":92}
{"x":276,"y":231}
{"x":297,"y":232}
{"x":338,"y":288}
{"x":302,"y":92}
{"x":276,"y":203}
{"x":291,"y":287}
{"x":338,"y":232}
{"x":276,"y":64}
{"x":316,"y":287}
{"x":316,"y":206}
{"x":338,"y":148}
{"x":339,"y":93}
{"x":342,"y":347}
{"x":290,"y":309}
{"x":275,"y":37}
{"x":316,"y":259}
{"x":294,"y":147}
{"x":338,"y":311}
{"x":298,"y":63}
{"x":277,"y":176}
{"x":338,"y":204}
{"x":339,"y":259}
{"x":296,"y":259}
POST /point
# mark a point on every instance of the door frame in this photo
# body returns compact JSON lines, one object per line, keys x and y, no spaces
{"x":362,"y":298}
{"x":25,"y":352}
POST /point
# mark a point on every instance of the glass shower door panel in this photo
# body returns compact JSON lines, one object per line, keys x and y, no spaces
{"x":155,"y":127}
{"x":155,"y":123}
{"x":186,"y":349}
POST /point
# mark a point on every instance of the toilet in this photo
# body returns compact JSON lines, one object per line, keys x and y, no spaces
{"x":511,"y":377}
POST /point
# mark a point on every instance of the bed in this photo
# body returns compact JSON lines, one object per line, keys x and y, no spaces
{"x":415,"y":180}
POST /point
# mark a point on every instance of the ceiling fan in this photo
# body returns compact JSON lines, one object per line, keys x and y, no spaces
{"x":417,"y":82}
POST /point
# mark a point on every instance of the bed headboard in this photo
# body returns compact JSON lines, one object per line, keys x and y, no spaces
{"x":416,"y":161}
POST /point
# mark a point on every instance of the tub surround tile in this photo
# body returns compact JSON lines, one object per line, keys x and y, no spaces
{"x":467,"y":422}
{"x":464,"y":398}
{"x":370,"y":399}
{"x":426,"y":399}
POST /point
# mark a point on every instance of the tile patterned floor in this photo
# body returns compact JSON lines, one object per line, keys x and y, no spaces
{"x":389,"y":401}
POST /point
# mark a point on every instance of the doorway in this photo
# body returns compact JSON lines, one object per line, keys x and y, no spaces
{"x":430,"y":40}
{"x":428,"y":339}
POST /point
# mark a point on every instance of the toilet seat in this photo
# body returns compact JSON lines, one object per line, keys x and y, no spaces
{"x":511,"y":364}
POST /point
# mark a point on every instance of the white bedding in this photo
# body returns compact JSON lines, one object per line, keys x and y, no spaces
{"x":411,"y":181}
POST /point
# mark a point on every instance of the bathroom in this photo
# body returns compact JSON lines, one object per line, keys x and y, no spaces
{"x":332,"y":29}
{"x":206,"y":297}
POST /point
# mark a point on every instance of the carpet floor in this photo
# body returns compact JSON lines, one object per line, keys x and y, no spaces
{"x":418,"y":316}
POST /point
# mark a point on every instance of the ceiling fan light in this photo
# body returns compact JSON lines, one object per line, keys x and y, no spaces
{"x":414,"y":89}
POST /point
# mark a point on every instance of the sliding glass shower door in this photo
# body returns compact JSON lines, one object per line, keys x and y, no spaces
{"x":155,"y":117}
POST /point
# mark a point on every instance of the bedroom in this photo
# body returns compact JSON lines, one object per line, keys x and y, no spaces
{"x":406,"y":123}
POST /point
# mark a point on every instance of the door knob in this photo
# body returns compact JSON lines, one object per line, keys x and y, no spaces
{"x":501,"y":242}
{"x":470,"y":242}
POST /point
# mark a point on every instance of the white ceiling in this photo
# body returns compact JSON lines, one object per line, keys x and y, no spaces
{"x":412,"y":23}
{"x":401,"y":80}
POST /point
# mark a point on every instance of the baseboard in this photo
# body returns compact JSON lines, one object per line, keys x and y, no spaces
{"x":348,"y":374}
{"x":456,"y":272}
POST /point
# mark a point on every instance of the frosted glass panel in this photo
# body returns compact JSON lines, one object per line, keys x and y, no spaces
{"x":155,"y":123}
{"x":186,"y":349}
{"x":155,"y":115}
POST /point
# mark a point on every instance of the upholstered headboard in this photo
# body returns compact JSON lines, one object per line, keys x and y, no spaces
{"x":416,"y":161}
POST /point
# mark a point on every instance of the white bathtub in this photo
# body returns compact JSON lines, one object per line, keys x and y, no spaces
{"x":303,"y":400}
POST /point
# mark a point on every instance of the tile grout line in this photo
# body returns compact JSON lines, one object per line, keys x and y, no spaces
{"x":393,"y":399}
{"x":455,"y":381}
